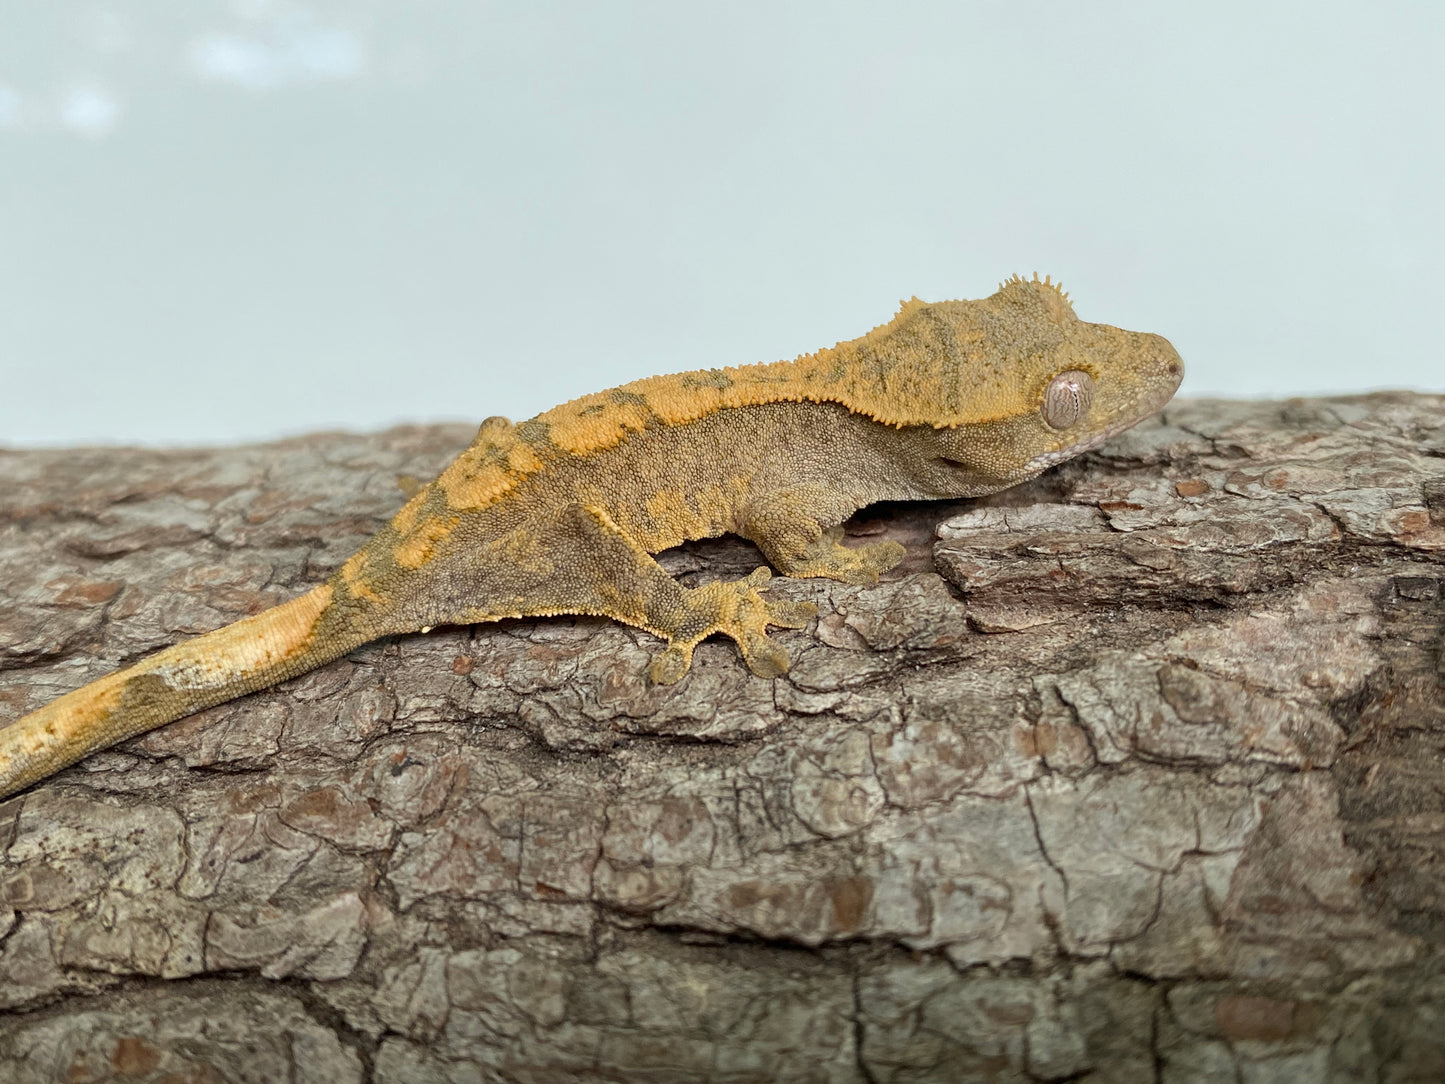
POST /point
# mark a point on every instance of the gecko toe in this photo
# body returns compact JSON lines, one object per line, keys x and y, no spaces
{"x":765,"y":657}
{"x":864,"y":564}
{"x":670,"y":667}
{"x":791,"y":615}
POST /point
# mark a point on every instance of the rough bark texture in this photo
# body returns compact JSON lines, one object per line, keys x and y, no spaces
{"x":1134,"y":773}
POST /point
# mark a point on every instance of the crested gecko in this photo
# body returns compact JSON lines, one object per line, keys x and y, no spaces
{"x":560,"y":514}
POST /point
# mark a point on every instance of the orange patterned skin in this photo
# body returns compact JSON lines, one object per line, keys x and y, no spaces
{"x":561,"y":514}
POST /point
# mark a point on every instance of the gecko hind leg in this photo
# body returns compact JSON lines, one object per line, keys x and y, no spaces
{"x":737,"y":609}
{"x":616,"y":577}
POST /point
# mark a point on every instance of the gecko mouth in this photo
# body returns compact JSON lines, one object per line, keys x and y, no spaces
{"x":1040,"y":463}
{"x":1048,"y":459}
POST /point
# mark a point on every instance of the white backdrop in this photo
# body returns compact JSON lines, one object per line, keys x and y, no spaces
{"x":231,"y":221}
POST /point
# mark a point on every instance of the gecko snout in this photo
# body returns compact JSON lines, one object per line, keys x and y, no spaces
{"x":1169,"y":365}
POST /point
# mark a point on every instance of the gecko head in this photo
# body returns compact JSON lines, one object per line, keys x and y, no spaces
{"x":1076,"y":384}
{"x":1098,"y":381}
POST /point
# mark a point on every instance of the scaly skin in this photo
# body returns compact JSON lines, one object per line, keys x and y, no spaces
{"x":560,"y":514}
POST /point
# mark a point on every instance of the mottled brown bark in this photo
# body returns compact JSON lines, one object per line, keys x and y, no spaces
{"x":1134,"y":773}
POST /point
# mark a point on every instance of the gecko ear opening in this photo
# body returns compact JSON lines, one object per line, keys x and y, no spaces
{"x":1067,"y":399}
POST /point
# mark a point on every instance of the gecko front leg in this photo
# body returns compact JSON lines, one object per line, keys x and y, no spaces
{"x":785,"y":526}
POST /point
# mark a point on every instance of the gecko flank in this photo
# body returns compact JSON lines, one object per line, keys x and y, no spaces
{"x":560,"y":514}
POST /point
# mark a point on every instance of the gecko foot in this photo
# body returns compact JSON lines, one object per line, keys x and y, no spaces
{"x":737,"y":609}
{"x":829,"y":558}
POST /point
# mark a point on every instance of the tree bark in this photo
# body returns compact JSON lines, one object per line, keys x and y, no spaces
{"x":1133,"y":773}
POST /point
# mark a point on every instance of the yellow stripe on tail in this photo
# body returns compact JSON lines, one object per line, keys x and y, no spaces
{"x":251,"y":654}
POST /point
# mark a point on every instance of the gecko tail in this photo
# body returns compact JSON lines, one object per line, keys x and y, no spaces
{"x":250,"y":654}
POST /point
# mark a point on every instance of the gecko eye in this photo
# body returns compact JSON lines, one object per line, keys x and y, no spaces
{"x":1067,"y":399}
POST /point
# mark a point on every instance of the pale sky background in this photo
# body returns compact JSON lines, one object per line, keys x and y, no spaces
{"x":225,"y":221}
